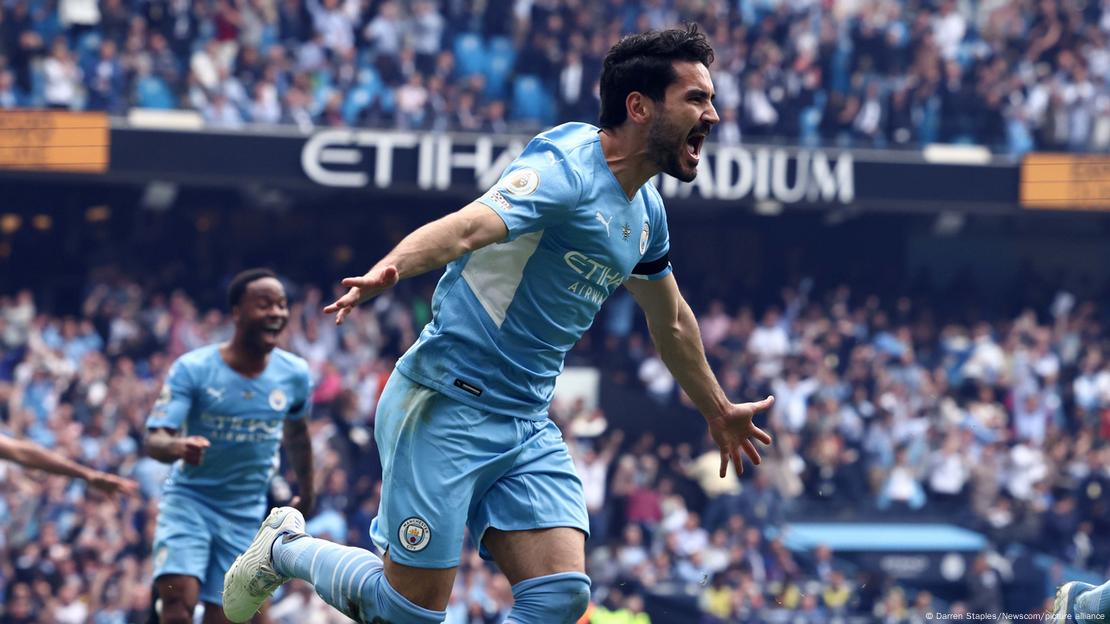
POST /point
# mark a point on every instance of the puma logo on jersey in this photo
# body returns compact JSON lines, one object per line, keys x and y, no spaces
{"x":601,"y":217}
{"x":217,"y":395}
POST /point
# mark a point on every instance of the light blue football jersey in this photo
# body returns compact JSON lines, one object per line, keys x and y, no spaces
{"x":504,"y":317}
{"x":243,"y":418}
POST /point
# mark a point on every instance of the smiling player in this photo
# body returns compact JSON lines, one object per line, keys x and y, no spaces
{"x":220,"y":417}
{"x":462,"y":425}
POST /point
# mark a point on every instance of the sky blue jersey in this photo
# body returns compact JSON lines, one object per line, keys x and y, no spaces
{"x":243,"y":418}
{"x":504,"y":316}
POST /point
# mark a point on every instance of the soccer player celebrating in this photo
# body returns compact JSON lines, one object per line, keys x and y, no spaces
{"x":462,"y":424}
{"x":220,"y":417}
{"x":31,"y":455}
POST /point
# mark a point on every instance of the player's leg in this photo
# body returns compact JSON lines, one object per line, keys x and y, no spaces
{"x":230,"y":536}
{"x":181,"y":555}
{"x":1081,"y":603}
{"x":434,"y":454}
{"x":214,"y":613}
{"x":547,"y":569}
{"x":178,"y":595}
{"x":533,"y":523}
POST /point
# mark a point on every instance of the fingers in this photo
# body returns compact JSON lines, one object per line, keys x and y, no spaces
{"x":761,"y":435}
{"x":724,"y":463}
{"x":737,"y":463}
{"x":750,"y":450}
{"x":381,"y":279}
{"x":347,"y":300}
{"x":765,"y":404}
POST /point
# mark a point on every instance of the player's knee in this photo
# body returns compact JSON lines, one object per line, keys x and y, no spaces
{"x":176,"y":612}
{"x":557,"y":598}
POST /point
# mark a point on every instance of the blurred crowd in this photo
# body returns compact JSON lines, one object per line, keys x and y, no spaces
{"x":1002,"y":426}
{"x":1013,"y":75}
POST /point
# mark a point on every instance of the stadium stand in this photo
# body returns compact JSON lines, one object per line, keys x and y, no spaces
{"x":1014,"y":76}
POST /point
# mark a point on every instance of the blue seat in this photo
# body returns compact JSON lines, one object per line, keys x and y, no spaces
{"x":500,"y":46}
{"x":498,"y":70}
{"x":470,"y":54}
{"x":358,"y":99}
{"x":152,"y":92}
{"x":531,"y":101}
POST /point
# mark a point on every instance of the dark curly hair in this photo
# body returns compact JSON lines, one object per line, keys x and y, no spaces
{"x":238,"y":286}
{"x":645,"y":63}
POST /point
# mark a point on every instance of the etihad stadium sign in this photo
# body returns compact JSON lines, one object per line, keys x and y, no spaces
{"x":451,"y":169}
{"x":352,"y":158}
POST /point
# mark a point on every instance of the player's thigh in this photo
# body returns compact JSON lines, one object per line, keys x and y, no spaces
{"x":438,"y":457}
{"x":182,"y":548}
{"x":533,"y":520}
{"x":522,"y":555}
{"x":231,"y":537}
{"x":178,"y":596}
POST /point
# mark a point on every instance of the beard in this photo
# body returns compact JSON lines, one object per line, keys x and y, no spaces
{"x":666,"y":148}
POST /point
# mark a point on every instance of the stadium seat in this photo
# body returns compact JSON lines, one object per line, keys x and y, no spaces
{"x":152,"y":92}
{"x":497,"y":74}
{"x":470,"y":54}
{"x":531,"y":100}
{"x":358,"y":99}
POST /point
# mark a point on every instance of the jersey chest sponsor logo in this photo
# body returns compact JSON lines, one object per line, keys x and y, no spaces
{"x":593,"y":271}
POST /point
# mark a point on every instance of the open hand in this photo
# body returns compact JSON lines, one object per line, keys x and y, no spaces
{"x":112,"y":484}
{"x":362,"y":289}
{"x":734,"y":431}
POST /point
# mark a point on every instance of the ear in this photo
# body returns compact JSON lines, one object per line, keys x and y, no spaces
{"x":640,"y":107}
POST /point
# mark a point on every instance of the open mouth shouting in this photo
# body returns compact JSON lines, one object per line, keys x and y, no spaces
{"x":694,"y":142}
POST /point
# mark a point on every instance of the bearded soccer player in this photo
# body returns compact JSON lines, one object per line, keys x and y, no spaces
{"x":462,"y":425}
{"x":221,"y":415}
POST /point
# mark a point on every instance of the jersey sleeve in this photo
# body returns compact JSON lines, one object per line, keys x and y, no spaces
{"x":656,"y":261}
{"x":538,"y":190}
{"x":302,"y":400}
{"x":174,"y":400}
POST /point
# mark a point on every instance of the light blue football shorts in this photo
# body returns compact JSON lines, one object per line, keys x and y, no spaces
{"x":448,"y":466}
{"x":191,"y":538}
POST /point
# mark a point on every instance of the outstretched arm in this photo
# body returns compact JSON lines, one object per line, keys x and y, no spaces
{"x":674,"y":330}
{"x":163,"y":444}
{"x":31,"y":455}
{"x":298,"y":447}
{"x":429,"y":247}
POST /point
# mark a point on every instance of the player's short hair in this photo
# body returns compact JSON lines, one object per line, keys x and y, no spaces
{"x":644,"y":63}
{"x":239,"y":283}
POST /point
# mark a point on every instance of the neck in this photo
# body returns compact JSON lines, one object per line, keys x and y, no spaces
{"x":244,"y":358}
{"x":627,"y":157}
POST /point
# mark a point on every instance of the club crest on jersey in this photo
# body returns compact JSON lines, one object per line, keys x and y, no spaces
{"x":644,"y":235}
{"x":164,"y":396}
{"x":523,"y":182}
{"x":278,"y":400}
{"x":415,"y":534}
{"x":161,"y":556}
